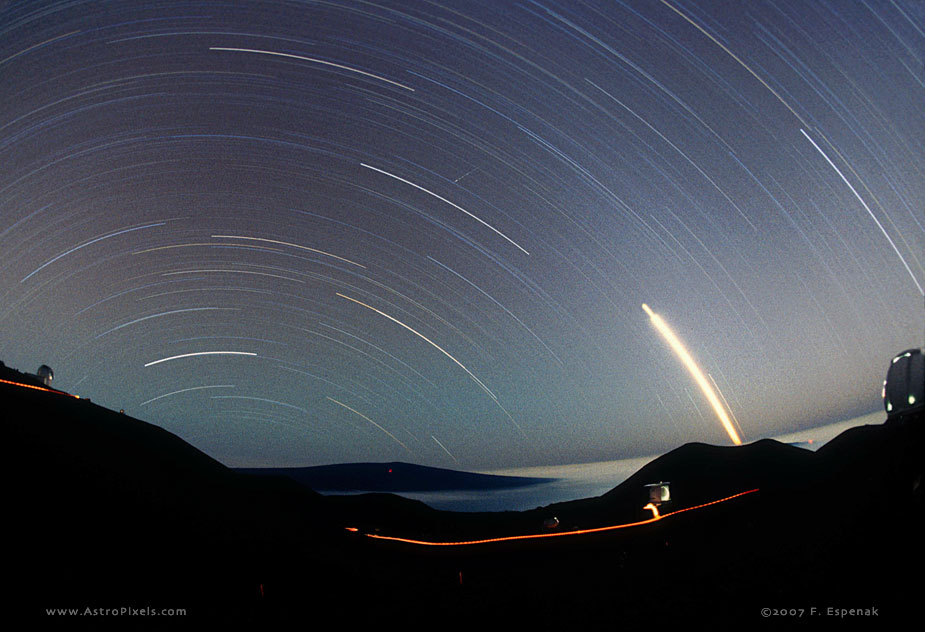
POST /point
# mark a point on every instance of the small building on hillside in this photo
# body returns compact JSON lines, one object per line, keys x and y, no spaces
{"x":45,"y":374}
{"x":658,"y":493}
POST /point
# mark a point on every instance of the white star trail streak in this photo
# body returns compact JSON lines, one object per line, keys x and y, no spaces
{"x":84,"y":245}
{"x":447,"y":354}
{"x":738,"y":59}
{"x":314,"y":61}
{"x":443,"y":447}
{"x":356,"y":412}
{"x":428,"y":341}
{"x":191,"y":193}
{"x":869,"y":212}
{"x":200,"y":353}
{"x":184,"y":390}
{"x":454,"y":205}
{"x":285,"y":243}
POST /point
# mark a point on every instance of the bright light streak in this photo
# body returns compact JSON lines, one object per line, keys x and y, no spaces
{"x":286,"y":243}
{"x":736,"y":57}
{"x":689,"y":363}
{"x":313,"y":60}
{"x":173,"y":246}
{"x":447,"y":354}
{"x":200,"y":353}
{"x":653,"y":509}
{"x":370,"y":421}
{"x":170,"y":313}
{"x":232,"y":271}
{"x":735,"y":420}
{"x":85,"y":244}
{"x":184,"y":390}
{"x":426,"y":339}
{"x":38,"y":388}
{"x":869,"y":212}
{"x":443,"y":199}
{"x":444,"y":448}
{"x":261,"y":399}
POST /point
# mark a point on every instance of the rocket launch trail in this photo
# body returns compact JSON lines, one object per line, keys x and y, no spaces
{"x":691,"y":365}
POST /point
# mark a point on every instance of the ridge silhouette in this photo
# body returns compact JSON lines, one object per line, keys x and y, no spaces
{"x":107,"y":509}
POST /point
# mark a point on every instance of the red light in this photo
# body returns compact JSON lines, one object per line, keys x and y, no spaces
{"x":561,"y":533}
{"x":38,"y":388}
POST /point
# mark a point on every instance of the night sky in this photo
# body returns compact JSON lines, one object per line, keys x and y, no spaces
{"x":297,"y":233}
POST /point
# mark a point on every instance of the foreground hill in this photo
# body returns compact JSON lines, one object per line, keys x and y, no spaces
{"x":108,"y":511}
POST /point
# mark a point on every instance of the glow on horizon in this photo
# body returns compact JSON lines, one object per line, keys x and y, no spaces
{"x":689,"y":363}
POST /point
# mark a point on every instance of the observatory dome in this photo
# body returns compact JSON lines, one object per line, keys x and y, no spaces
{"x":45,"y":374}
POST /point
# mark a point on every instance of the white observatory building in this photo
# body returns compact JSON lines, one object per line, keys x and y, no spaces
{"x":45,"y":374}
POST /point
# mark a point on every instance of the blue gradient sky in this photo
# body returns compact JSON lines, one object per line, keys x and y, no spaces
{"x":423,"y":231}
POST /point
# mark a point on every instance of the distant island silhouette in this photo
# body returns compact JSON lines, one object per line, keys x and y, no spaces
{"x":393,"y":477}
{"x":107,"y":509}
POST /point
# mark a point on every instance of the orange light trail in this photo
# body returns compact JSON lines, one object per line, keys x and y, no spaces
{"x":38,"y":388}
{"x":678,"y":347}
{"x":536,"y":536}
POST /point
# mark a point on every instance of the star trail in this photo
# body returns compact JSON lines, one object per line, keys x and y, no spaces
{"x":297,"y":233}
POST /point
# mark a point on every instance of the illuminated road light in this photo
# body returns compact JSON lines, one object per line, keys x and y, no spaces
{"x":912,"y":399}
{"x":559,"y":534}
{"x":37,"y":388}
{"x":689,"y":363}
{"x":653,"y":509}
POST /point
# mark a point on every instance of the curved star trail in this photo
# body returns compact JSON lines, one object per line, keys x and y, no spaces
{"x":225,"y":218}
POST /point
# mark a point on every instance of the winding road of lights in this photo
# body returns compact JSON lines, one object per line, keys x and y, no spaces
{"x":38,"y":388}
{"x":560,"y":534}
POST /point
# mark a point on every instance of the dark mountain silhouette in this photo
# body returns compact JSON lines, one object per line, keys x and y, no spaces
{"x":392,"y":477}
{"x":106,"y":511}
{"x":103,"y":505}
{"x":11,"y":374}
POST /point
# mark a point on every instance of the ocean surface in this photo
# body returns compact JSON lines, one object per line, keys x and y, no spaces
{"x":587,"y":480}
